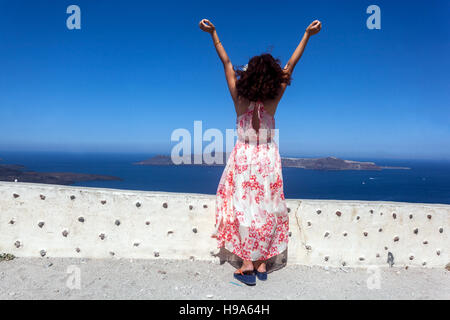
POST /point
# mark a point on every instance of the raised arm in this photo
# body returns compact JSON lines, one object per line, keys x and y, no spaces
{"x":312,"y":29}
{"x":230,"y":74}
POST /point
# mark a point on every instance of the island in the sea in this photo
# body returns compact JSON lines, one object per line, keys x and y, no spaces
{"x":327,"y":163}
{"x":12,"y":172}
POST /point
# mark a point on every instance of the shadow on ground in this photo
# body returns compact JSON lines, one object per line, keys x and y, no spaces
{"x":273,"y":264}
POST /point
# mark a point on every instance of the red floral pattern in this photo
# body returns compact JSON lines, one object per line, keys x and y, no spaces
{"x":251,"y":213}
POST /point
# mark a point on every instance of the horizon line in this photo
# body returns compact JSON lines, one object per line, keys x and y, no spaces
{"x":285,"y":155}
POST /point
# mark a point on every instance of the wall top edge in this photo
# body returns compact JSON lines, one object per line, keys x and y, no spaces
{"x":5,"y":184}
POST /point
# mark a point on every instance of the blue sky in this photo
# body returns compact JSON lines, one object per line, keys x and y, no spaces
{"x":137,"y":70}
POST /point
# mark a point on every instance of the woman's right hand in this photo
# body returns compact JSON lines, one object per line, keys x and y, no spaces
{"x":206,"y":26}
{"x":314,"y":27}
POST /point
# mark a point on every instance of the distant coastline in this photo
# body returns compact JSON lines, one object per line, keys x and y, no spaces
{"x":327,"y":163}
{"x":13,"y":172}
{"x":425,"y":182}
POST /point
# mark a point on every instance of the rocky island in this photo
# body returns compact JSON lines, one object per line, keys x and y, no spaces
{"x":327,"y":163}
{"x":12,"y":172}
{"x":333,"y":163}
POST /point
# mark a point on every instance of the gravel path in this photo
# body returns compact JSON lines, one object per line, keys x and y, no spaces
{"x":25,"y":278}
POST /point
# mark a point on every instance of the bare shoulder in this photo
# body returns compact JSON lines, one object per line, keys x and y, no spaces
{"x":241,"y":105}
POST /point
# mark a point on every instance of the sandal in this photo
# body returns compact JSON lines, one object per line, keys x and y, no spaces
{"x":247,"y":277}
{"x":261,"y":275}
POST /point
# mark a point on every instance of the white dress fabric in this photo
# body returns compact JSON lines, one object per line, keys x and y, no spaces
{"x":251,"y":214}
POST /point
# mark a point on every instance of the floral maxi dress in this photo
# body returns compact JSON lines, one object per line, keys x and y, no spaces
{"x":251,"y":214}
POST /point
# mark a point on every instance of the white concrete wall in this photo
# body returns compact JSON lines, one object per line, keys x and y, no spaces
{"x":61,"y":221}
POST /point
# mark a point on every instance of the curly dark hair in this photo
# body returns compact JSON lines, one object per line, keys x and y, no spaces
{"x":262,"y":79}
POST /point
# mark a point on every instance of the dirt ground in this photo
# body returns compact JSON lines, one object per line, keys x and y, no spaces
{"x":52,"y":278}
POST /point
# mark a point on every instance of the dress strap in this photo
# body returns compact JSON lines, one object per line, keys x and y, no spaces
{"x":258,"y":105}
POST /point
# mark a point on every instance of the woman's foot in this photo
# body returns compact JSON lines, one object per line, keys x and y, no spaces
{"x":262,"y":268}
{"x":247,"y":266}
{"x":261,"y":271}
{"x":246,"y":273}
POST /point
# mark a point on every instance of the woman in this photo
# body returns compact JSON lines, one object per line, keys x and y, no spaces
{"x":251,"y":215}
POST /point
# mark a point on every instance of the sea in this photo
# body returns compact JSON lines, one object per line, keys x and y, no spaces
{"x":428,"y":181}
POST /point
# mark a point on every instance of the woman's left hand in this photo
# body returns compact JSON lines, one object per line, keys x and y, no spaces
{"x":207,"y":26}
{"x":314,"y":28}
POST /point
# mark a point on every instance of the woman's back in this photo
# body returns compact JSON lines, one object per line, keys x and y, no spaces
{"x":256,"y":124}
